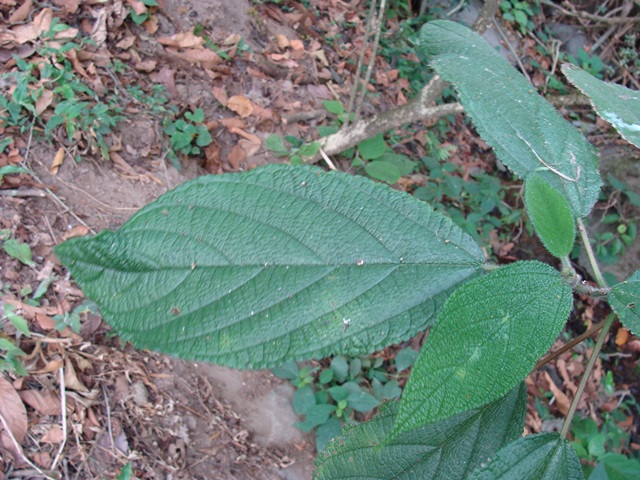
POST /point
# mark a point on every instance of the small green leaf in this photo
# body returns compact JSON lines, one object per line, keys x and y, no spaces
{"x":446,"y":450}
{"x":204,"y":137}
{"x":303,"y":400}
{"x":617,"y":104}
{"x":287,"y":371}
{"x":18,"y":250}
{"x":384,"y":171}
{"x":11,"y":169}
{"x":340,"y":367}
{"x":405,"y":359}
{"x":319,"y":414}
{"x":487,"y":338}
{"x":196,"y":117}
{"x":181,"y":140}
{"x":325,"y":376}
{"x":275,"y":143}
{"x":16,"y":320}
{"x":543,"y":456}
{"x":127,"y":471}
{"x":362,"y":401}
{"x":624,"y":298}
{"x":550,"y":214}
{"x":333,"y":106}
{"x":372,"y":148}
{"x":327,"y":431}
{"x":309,"y":149}
{"x":339,"y":393}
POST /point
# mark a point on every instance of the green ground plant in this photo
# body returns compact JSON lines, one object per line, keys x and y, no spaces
{"x":255,"y":269}
{"x":333,"y":395}
{"x":187,"y":135}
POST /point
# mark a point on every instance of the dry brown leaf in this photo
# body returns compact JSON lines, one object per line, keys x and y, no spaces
{"x":206,"y":58}
{"x":182,"y":40}
{"x":79,"y":231}
{"x":250,"y":147}
{"x":44,"y":101}
{"x":561,"y":399}
{"x":212,"y":158}
{"x":45,"y":402}
{"x":42,"y":21}
{"x":22,"y":12}
{"x":151,"y":25}
{"x":241,"y":105}
{"x":297,"y":49}
{"x":233,"y":122}
{"x":71,"y":380}
{"x":15,"y":415}
{"x":220,"y":94}
{"x":99,"y":31}
{"x":57,"y":161}
{"x":232,"y":39}
{"x":166,"y":77}
{"x":137,"y":6}
{"x":121,"y":164}
{"x":249,"y":136}
{"x":52,"y":366}
{"x":283,"y":41}
{"x":622,"y":336}
{"x":146,"y":66}
{"x":126,"y":42}
{"x":237,"y":155}
{"x":54,"y":435}
{"x":68,"y":6}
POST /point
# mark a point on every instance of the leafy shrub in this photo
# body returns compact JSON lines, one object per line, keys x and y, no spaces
{"x":256,"y":269}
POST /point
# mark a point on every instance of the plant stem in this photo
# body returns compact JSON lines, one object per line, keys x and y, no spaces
{"x":568,"y":346}
{"x":592,"y":258}
{"x":586,"y":375}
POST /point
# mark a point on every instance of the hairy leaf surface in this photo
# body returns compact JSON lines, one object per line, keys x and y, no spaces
{"x":487,"y":338}
{"x":249,"y":270}
{"x":624,"y":298}
{"x":449,"y":449}
{"x":551,"y":215}
{"x":525,"y":131}
{"x":544,"y":456}
{"x":615,"y":103}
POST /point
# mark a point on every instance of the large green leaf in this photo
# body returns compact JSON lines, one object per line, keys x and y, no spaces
{"x":551,"y":215}
{"x":487,"y":338}
{"x":448,"y":449}
{"x":617,"y":104}
{"x":538,"y":457}
{"x":624,"y":298}
{"x":249,"y":270}
{"x":525,"y":131}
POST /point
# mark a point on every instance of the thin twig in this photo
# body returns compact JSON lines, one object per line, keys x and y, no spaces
{"x":511,"y":49}
{"x":326,"y":158}
{"x":580,"y":338}
{"x":109,"y":426}
{"x":591,"y":16}
{"x":63,"y":407}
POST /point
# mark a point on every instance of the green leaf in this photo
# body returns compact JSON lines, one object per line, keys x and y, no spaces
{"x":275,"y":143}
{"x":551,"y":215}
{"x":10,"y":169}
{"x":619,"y":467}
{"x":196,"y":117}
{"x":16,"y":320}
{"x":181,"y":140}
{"x":487,"y":338}
{"x":448,"y":449}
{"x":624,"y":298}
{"x":405,"y":359}
{"x":309,"y":149}
{"x":333,"y":106}
{"x":325,"y":376}
{"x":288,"y":371}
{"x":127,"y":471}
{"x":525,"y":131}
{"x":303,"y":400}
{"x":384,"y":171}
{"x":543,"y":456}
{"x":617,"y":104}
{"x":404,"y":164}
{"x":372,"y":147}
{"x":204,"y":137}
{"x":18,"y":250}
{"x":338,"y":393}
{"x":327,"y":431}
{"x":362,"y":401}
{"x":340,"y":368}
{"x":252,"y":269}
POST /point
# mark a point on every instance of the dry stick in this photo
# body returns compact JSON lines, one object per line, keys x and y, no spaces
{"x":415,"y":110}
{"x":63,"y":406}
{"x":591,"y":16}
{"x":553,"y":355}
{"x":379,"y":22}
{"x":356,"y":80}
{"x":511,"y":49}
{"x":19,"y":448}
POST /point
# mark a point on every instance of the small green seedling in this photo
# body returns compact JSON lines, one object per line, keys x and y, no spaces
{"x":187,"y":135}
